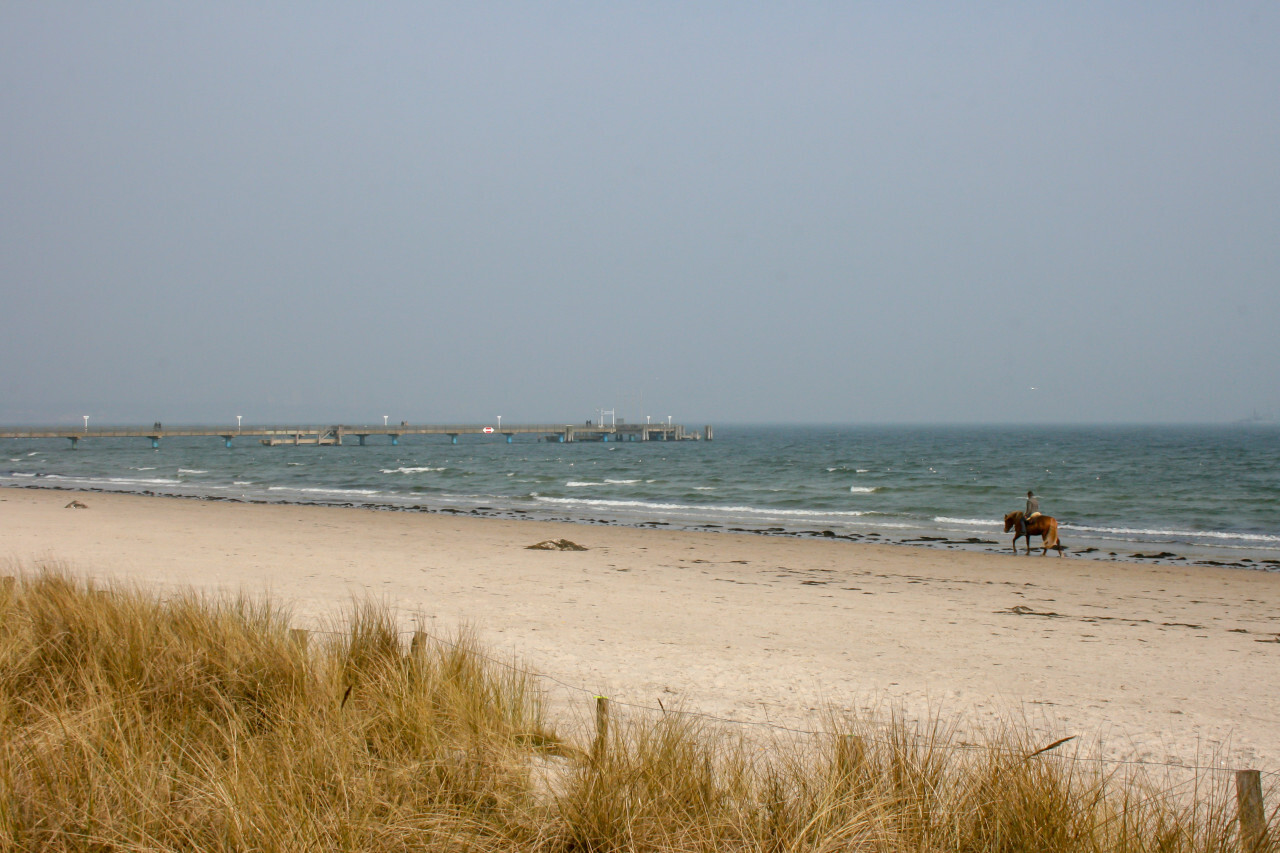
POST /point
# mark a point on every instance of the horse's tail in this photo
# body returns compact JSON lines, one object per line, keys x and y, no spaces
{"x":1051,"y":536}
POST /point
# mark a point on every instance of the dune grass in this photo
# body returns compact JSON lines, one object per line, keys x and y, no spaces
{"x":129,"y":722}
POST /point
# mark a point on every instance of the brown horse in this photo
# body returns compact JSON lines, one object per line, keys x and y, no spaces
{"x":1044,"y":526}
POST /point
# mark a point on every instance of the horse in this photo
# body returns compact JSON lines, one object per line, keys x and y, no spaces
{"x":1044,"y":526}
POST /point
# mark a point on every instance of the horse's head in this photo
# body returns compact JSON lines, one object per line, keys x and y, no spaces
{"x":1010,"y":519}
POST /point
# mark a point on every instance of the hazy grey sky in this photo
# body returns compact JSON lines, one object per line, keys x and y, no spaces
{"x":723,"y":212}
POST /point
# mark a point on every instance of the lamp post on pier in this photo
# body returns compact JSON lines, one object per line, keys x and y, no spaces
{"x":499,"y":423}
{"x":86,"y":422}
{"x":384,"y":419}
{"x":238,"y":417}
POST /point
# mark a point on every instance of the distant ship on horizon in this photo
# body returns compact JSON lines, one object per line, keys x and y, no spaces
{"x":1256,"y":418}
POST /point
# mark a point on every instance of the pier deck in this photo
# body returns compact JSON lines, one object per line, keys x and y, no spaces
{"x":335,"y":434}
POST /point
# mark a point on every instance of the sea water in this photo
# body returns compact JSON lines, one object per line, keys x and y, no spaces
{"x":1207,"y":494}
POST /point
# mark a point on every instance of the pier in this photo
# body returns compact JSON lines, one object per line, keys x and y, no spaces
{"x":337,"y":434}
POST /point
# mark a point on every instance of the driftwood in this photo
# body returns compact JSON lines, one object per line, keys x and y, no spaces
{"x":76,"y":505}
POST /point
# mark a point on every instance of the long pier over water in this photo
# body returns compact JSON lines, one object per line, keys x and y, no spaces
{"x":336,"y":433}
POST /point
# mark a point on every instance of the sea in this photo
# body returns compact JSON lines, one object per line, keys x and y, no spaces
{"x":1167,"y":494}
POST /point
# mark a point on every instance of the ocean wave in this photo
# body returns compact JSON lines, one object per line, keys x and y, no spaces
{"x":864,"y":490}
{"x":143,"y":481}
{"x":695,"y":508}
{"x":422,"y":470}
{"x":115,"y":481}
{"x":581,"y":484}
{"x":1158,"y":533}
{"x":312,"y":491}
{"x":980,"y":522}
{"x":189,"y":471}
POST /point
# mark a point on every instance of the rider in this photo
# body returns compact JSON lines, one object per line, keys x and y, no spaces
{"x":1033,"y":505}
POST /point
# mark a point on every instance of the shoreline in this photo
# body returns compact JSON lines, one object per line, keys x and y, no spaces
{"x":1093,"y":549}
{"x":1160,"y":663}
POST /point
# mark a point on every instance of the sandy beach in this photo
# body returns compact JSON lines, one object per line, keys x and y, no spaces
{"x":1156,"y":663}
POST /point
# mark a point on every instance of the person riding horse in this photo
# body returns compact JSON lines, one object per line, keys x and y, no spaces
{"x":1040,"y":525}
{"x":1033,"y":506}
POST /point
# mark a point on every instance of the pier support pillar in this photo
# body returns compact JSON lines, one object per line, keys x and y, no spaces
{"x":453,"y":438}
{"x":75,"y":442}
{"x":155,"y":442}
{"x":362,"y":438}
{"x":395,"y":441}
{"x":226,"y":440}
{"x":509,"y":437}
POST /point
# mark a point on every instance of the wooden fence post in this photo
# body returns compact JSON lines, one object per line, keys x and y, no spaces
{"x":602,"y":729}
{"x":851,"y":754}
{"x":1250,"y":812}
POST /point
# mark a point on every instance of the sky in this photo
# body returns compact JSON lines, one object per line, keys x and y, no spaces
{"x":853,"y":212}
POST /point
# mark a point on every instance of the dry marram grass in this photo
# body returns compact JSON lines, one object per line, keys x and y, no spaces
{"x":128,"y":722}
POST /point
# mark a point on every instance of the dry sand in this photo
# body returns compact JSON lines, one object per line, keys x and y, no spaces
{"x":1155,"y":663}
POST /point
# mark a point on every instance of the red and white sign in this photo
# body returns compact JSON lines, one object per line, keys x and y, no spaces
{"x":488,"y":429}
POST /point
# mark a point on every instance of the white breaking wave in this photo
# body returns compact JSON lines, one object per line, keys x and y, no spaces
{"x":117,"y":481}
{"x":305,"y":491}
{"x":980,"y":522}
{"x":864,"y":490}
{"x":1175,"y":534}
{"x":742,"y":510}
{"x":581,"y":484}
{"x":188,"y":470}
{"x":423,"y":470}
